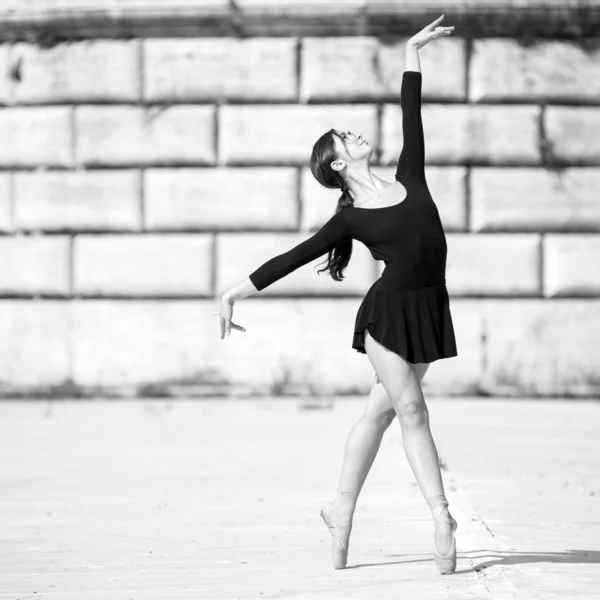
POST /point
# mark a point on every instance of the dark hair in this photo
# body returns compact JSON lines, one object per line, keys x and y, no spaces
{"x":323,"y":154}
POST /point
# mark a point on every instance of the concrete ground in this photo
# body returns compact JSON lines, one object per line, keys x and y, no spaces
{"x":182,"y":499}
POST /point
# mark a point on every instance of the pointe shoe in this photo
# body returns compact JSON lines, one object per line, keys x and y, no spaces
{"x":340,"y":536}
{"x":446,"y":563}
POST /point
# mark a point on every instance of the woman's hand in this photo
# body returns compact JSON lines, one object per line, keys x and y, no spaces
{"x":428,"y":33}
{"x":225,"y":315}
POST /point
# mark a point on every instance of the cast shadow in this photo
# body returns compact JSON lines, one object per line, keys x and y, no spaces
{"x":515,"y":557}
{"x":494,"y":558}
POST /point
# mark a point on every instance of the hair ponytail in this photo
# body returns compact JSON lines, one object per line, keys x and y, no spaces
{"x":345,"y":200}
{"x":323,"y":154}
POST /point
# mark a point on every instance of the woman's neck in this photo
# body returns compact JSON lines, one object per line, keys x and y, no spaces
{"x":364,"y":184}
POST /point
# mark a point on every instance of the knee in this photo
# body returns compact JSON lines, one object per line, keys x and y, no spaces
{"x":382,"y":419}
{"x":413,"y":415}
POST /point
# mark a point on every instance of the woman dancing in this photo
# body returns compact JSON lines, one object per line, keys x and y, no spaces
{"x":403,"y":323}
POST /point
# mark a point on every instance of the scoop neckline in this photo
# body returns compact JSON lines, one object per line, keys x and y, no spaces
{"x":379,"y":194}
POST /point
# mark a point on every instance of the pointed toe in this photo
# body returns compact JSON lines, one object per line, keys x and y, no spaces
{"x":340,"y":534}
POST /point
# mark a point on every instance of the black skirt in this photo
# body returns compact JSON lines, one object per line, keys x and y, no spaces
{"x":416,"y":324}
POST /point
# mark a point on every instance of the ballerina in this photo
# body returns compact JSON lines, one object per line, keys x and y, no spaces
{"x":403,"y":323}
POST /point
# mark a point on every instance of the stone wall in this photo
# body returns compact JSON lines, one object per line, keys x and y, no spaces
{"x":140,"y":178}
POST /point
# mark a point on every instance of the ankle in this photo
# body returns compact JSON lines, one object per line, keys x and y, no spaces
{"x":436,"y":501}
{"x":345,"y":503}
{"x":438,"y":506}
{"x":442,"y":515}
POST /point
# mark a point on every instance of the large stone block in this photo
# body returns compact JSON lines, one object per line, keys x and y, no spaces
{"x":573,"y":134}
{"x":142,"y":265}
{"x":493,"y":264}
{"x":102,"y":200}
{"x":443,"y":67}
{"x":132,"y":135}
{"x":448,"y":187}
{"x":542,"y":347}
{"x":360,"y":68}
{"x":34,"y":265}
{"x":33,"y":137}
{"x":241,"y":254}
{"x":341,"y":69}
{"x":286,"y":134}
{"x":221,"y":198}
{"x":464,"y":133}
{"x":220,"y":69}
{"x":35,"y":344}
{"x":547,"y":70}
{"x":126,"y":344}
{"x":5,"y":202}
{"x":85,"y":71}
{"x":571,"y":265}
{"x":504,"y":198}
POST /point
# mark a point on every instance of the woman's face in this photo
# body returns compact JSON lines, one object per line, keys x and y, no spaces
{"x":351,"y":147}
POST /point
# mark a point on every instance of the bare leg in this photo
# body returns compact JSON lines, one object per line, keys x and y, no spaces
{"x":363,"y":444}
{"x":404,"y":390}
{"x":361,"y":448}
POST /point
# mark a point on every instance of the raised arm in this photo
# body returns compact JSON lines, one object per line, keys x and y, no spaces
{"x":333,"y":232}
{"x":412,"y":157}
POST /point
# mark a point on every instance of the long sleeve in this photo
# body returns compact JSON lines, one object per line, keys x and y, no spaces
{"x":412,"y":157}
{"x":332,"y":232}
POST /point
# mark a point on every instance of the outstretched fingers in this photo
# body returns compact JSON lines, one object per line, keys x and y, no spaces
{"x":432,"y":32}
{"x":227,"y":325}
{"x":433,"y":23}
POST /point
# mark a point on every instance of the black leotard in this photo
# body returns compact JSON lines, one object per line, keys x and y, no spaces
{"x":407,"y":309}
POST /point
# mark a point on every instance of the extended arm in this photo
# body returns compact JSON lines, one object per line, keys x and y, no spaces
{"x":412,"y":157}
{"x":333,"y":232}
